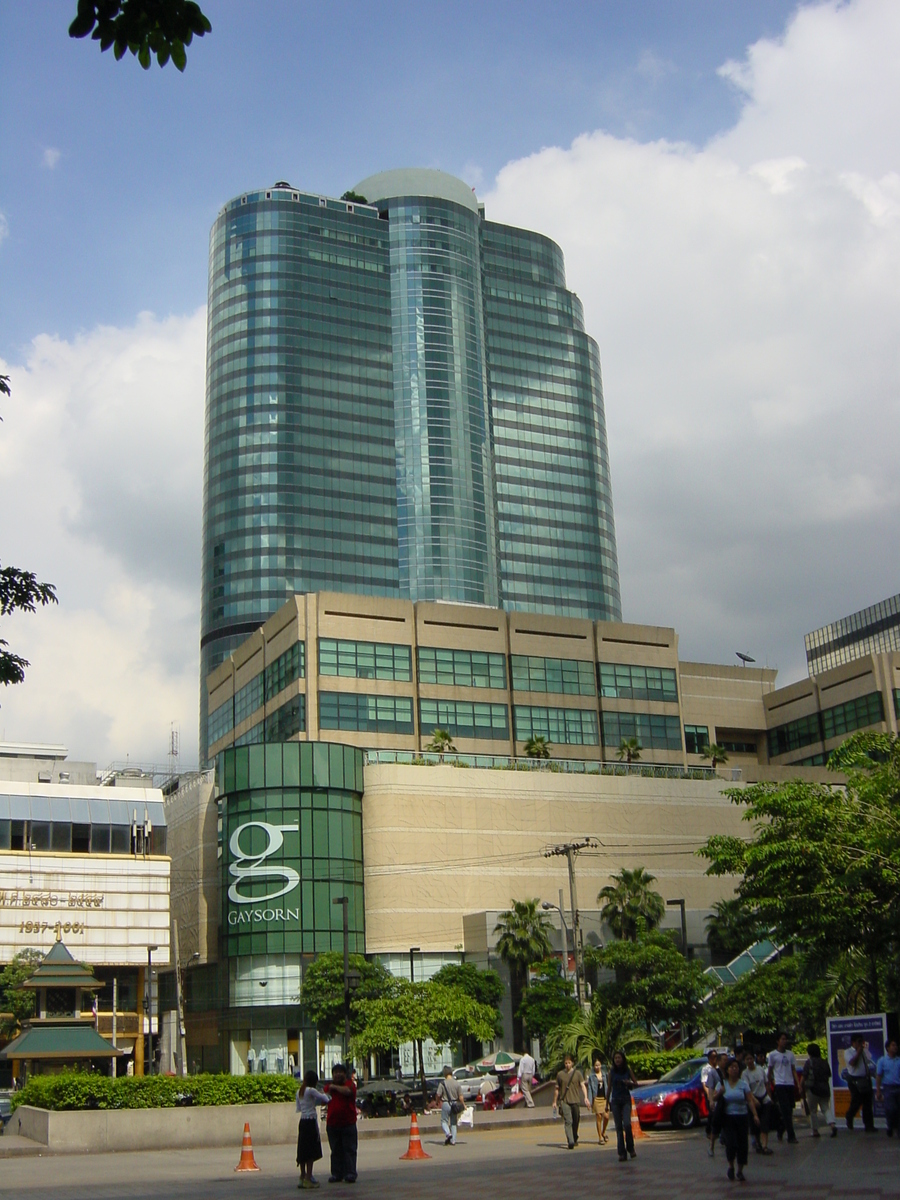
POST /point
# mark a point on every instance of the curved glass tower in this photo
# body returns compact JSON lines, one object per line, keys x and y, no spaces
{"x":445,"y":519}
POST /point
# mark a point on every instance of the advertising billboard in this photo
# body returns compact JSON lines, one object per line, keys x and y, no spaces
{"x":873,"y":1027}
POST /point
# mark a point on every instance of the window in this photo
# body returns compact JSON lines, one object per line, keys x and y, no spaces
{"x":696,"y":738}
{"x":462,"y":668}
{"x":564,"y":726}
{"x":248,"y":699}
{"x":621,"y":682}
{"x":814,"y":760}
{"x":284,"y":722}
{"x":221,"y":721}
{"x":652,"y":731}
{"x":855,"y":714}
{"x":794,"y":735}
{"x":897,"y":702}
{"x":285,"y":669}
{"x":735,"y":747}
{"x":256,"y":733}
{"x":569,"y":676}
{"x":465,"y":719}
{"x":365,"y":660}
{"x":365,"y":714}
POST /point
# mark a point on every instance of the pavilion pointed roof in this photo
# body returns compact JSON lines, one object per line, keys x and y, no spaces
{"x":60,"y":970}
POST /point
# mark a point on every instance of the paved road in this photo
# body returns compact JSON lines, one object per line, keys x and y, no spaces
{"x":507,"y":1162}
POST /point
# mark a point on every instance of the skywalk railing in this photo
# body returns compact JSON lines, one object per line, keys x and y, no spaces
{"x":566,"y":766}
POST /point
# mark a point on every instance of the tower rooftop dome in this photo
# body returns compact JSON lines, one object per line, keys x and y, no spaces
{"x":416,"y":181}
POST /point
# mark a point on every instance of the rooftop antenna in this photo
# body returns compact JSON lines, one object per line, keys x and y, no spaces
{"x":174,"y":748}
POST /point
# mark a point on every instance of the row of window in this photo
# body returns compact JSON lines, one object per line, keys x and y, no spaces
{"x":279,"y":726}
{"x":830,"y":723}
{"x":268,"y":684}
{"x":71,"y":838}
{"x":568,"y":676}
{"x":652,"y":732}
{"x":365,"y":660}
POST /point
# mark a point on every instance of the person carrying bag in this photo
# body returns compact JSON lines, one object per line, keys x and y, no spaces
{"x":451,"y":1106}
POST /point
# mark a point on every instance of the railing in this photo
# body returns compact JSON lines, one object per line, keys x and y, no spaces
{"x":566,"y":766}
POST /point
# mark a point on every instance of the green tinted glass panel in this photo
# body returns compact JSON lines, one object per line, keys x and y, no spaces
{"x":652,"y":730}
{"x":564,"y":726}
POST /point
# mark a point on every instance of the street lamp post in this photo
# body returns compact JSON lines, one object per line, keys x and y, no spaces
{"x":344,"y":901}
{"x":413,"y":951}
{"x":150,"y":949}
{"x":546,"y":906}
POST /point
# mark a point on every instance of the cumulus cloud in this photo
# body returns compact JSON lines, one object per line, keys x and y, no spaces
{"x":100,"y":484}
{"x":4,"y":227}
{"x":745,"y":295}
{"x":50,"y":157}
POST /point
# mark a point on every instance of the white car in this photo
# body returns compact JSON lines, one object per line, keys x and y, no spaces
{"x":469,"y":1082}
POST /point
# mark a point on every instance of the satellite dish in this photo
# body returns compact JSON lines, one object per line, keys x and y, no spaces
{"x":745,"y":658}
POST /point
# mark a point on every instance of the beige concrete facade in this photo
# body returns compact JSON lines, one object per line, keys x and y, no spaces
{"x":191,"y":818}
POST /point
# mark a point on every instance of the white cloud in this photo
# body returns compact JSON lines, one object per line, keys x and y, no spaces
{"x":100,"y":482}
{"x":745,"y":296}
{"x":4,"y":227}
{"x":51,"y":157}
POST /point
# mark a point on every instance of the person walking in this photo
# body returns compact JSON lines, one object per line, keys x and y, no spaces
{"x":734,"y":1091}
{"x":858,"y":1072}
{"x":452,"y":1104}
{"x":618,"y":1088}
{"x":309,"y":1143}
{"x":815,"y":1082}
{"x":756,"y":1078}
{"x":340,"y":1125}
{"x":599,"y":1102}
{"x":568,"y":1096}
{"x":710,"y":1079}
{"x":782,"y":1069}
{"x":525,"y":1075}
{"x":887,"y":1086}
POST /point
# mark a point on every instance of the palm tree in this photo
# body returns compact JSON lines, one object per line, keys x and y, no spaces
{"x":441,"y":743}
{"x":524,"y":940}
{"x":630,"y":900}
{"x":730,"y":928}
{"x":629,"y":750}
{"x":537,"y":747}
{"x":594,"y":1033}
{"x":717,"y":754}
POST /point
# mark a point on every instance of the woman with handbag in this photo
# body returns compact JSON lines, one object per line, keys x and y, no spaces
{"x":734,"y":1102}
{"x":451,"y":1106}
{"x":621,"y":1081}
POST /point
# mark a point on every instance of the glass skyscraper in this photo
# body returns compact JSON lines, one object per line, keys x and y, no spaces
{"x":401,"y":400}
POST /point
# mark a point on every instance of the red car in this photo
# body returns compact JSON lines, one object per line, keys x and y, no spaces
{"x":677,"y":1098}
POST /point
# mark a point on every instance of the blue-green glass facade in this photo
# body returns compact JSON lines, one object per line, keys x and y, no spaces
{"x":555,"y":528}
{"x":300,"y":474}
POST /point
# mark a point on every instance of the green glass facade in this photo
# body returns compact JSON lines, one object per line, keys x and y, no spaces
{"x":555,"y":528}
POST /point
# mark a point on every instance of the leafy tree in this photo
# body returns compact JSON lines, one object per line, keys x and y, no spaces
{"x":354,"y":198}
{"x":629,"y":750}
{"x":537,"y":747}
{"x":322,"y":991}
{"x":441,"y":743}
{"x":524,"y":941}
{"x":731,"y":928}
{"x":601,"y":1031}
{"x":652,"y":977}
{"x":630,"y":900}
{"x":716,"y":754}
{"x":548,"y":1002}
{"x":823,"y":864}
{"x":484,"y":986}
{"x":17,"y":1007}
{"x":781,"y":995}
{"x":145,"y":27}
{"x":20,"y":591}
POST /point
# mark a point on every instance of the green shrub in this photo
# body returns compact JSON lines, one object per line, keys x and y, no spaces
{"x":650,"y":1064}
{"x":79,"y":1090}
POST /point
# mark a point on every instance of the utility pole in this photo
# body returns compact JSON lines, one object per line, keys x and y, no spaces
{"x":569,"y":850}
{"x":180,"y":1048}
{"x":344,"y":902}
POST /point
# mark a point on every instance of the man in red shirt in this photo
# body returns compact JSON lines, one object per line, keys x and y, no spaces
{"x":340,"y":1125}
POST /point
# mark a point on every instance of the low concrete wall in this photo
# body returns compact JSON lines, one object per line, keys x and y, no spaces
{"x":103,"y":1130}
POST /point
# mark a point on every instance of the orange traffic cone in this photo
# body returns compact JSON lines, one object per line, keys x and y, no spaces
{"x":415,"y":1142}
{"x":636,"y":1131}
{"x":248,"y":1162}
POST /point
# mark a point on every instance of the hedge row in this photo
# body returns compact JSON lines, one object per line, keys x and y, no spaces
{"x":650,"y":1064}
{"x":78,"y":1090}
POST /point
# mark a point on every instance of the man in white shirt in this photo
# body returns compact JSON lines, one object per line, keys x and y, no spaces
{"x":782,"y":1069}
{"x":525,"y":1074}
{"x":859,"y":1069}
{"x":711,"y":1079}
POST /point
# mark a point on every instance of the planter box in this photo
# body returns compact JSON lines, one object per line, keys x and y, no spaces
{"x":104,"y":1130}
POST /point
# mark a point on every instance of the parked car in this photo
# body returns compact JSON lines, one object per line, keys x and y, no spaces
{"x":469,"y":1082}
{"x":5,"y":1112}
{"x":678,"y":1097}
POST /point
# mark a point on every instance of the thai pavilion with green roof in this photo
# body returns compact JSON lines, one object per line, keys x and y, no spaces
{"x":59,"y":1035}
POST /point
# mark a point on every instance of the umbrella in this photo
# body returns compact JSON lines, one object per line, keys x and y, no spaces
{"x":386,"y":1085}
{"x":499,"y":1061}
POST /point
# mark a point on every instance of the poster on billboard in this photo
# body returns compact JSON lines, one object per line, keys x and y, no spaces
{"x":839,"y":1032}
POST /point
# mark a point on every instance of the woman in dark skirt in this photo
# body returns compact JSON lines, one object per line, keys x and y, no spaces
{"x":309,"y":1143}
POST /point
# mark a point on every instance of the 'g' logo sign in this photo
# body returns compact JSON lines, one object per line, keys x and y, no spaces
{"x":254,"y":868}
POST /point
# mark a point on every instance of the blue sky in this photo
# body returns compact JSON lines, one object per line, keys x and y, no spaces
{"x":322,"y":94}
{"x":724,"y":181}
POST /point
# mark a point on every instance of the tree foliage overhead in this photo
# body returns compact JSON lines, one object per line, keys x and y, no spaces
{"x":630,"y":901}
{"x":788,"y":994}
{"x":653,"y":978}
{"x":16,"y":1007}
{"x":322,"y":991}
{"x":145,"y":27}
{"x":484,"y":986}
{"x":602,"y":1031}
{"x":416,"y":1011}
{"x":524,"y":941}
{"x":548,"y":1002}
{"x":731,"y":928}
{"x":822,"y":867}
